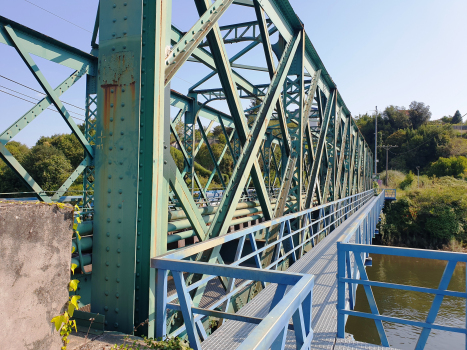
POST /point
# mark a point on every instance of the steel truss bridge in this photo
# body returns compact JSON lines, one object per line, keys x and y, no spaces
{"x":301,"y":169}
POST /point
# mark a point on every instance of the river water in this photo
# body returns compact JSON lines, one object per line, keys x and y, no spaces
{"x":410,"y":305}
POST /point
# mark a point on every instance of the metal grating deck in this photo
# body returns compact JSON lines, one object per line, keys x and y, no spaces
{"x":320,"y":261}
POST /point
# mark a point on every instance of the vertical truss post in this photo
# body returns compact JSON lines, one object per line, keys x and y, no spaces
{"x":90,"y":134}
{"x":131,"y":197}
{"x":189,"y":141}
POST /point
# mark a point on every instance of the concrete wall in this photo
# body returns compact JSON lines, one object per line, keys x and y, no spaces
{"x":35,"y":246}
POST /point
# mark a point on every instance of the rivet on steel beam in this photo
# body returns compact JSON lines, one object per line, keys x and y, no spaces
{"x":110,"y":148}
{"x":125,"y":18}
{"x":106,"y":263}
{"x":121,"y":133}
{"x":108,"y":234}
{"x":114,"y":20}
{"x":106,"y":293}
{"x":107,"y":249}
{"x":137,"y":274}
{"x":118,"y":265}
{"x":108,"y":219}
{"x":120,"y":206}
{"x":111,"y":133}
{"x":111,"y":119}
{"x":165,"y":162}
{"x":137,"y":261}
{"x":118,"y":280}
{"x":121,"y":177}
{"x":124,"y":4}
{"x":121,"y":163}
{"x":114,"y":6}
{"x":113,"y":48}
{"x":139,"y":233}
{"x":124,"y":47}
{"x":106,"y":308}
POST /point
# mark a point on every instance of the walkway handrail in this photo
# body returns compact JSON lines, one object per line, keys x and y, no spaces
{"x":351,"y":272}
{"x":452,"y":259}
{"x":293,"y":234}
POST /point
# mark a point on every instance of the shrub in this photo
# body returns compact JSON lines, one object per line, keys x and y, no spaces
{"x":407,"y":181}
{"x":452,"y":166}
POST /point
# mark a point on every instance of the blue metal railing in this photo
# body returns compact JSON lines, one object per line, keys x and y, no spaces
{"x":351,"y":272}
{"x":289,"y":244}
{"x":390,"y":194}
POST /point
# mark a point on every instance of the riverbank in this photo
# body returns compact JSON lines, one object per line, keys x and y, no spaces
{"x":430,"y":215}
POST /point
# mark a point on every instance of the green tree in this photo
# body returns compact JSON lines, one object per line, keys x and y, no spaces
{"x":68,"y":144}
{"x":447,"y":119}
{"x":419,"y":114}
{"x":48,"y":166}
{"x":457,"y":118}
{"x":397,"y":117}
{"x":9,"y":181}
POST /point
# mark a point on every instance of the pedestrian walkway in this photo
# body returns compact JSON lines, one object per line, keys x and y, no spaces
{"x":321,"y":261}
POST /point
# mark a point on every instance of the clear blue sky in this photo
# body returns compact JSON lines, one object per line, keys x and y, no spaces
{"x":378,"y":52}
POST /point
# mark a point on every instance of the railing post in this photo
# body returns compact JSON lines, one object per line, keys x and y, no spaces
{"x":161,"y":302}
{"x":340,"y":291}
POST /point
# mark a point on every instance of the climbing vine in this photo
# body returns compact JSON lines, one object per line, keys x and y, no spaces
{"x":62,"y":322}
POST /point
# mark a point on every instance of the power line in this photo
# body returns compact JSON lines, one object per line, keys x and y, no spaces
{"x":35,"y":103}
{"x":30,"y":88}
{"x":184,"y":80}
{"x":58,"y":16}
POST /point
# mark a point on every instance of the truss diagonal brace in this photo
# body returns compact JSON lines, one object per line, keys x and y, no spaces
{"x":48,"y":90}
{"x":245,"y":162}
{"x":330,"y":108}
{"x":190,"y":41}
{"x":41,"y":106}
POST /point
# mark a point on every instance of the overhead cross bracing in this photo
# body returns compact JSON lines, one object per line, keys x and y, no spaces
{"x":295,"y":147}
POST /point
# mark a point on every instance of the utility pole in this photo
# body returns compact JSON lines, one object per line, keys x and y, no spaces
{"x":376,"y":140}
{"x":418,"y":176}
{"x":387,"y":148}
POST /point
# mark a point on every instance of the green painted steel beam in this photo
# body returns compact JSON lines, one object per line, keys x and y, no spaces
{"x":45,"y":47}
{"x":22,"y":50}
{"x":182,"y":50}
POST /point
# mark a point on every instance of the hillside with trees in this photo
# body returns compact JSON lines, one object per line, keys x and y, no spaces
{"x":431,"y":210}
